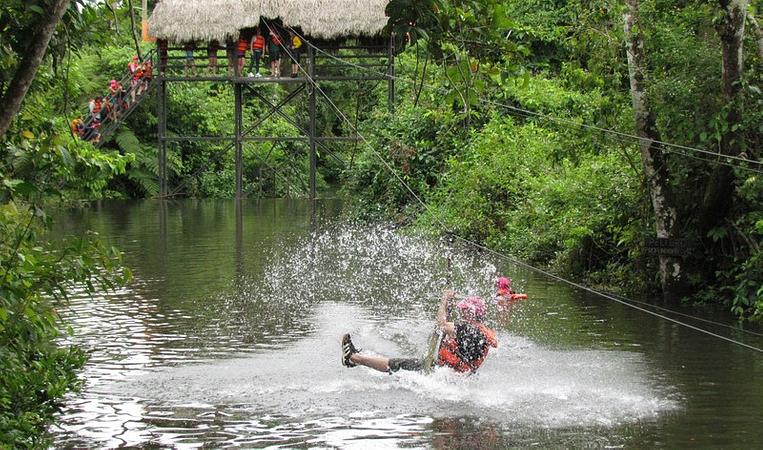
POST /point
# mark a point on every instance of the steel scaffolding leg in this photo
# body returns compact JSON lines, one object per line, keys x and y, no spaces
{"x":238,"y":92}
{"x":161,"y":133}
{"x":313,"y":153}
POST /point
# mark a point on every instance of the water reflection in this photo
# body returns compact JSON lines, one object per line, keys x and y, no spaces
{"x":229,"y":337}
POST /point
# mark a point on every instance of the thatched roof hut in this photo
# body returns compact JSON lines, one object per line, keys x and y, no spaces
{"x":186,"y":20}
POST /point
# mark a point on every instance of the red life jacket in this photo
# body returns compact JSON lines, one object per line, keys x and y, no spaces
{"x":242,"y":45}
{"x":97,"y":107}
{"x":448,"y":354}
{"x":259,"y":43}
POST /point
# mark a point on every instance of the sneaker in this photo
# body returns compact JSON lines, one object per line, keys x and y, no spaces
{"x":258,"y":75}
{"x":250,"y":74}
{"x":348,"y":349}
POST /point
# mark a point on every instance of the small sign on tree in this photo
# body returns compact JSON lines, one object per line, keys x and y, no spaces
{"x":666,"y":246}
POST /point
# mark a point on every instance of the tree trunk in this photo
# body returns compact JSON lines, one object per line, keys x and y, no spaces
{"x":652,"y":157}
{"x":758,"y":36}
{"x":27,"y":69}
{"x":132,"y":29}
{"x":720,"y":188}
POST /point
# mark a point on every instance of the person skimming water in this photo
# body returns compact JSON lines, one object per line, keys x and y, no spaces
{"x":464,"y":347}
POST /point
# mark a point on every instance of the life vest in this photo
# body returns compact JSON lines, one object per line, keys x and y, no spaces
{"x":274,"y":39}
{"x":97,"y":105}
{"x":242,"y":45}
{"x":258,"y":43}
{"x":449,"y":355}
{"x":296,"y":42}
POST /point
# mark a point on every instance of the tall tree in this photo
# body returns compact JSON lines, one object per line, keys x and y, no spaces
{"x":652,"y":156}
{"x":42,"y":31}
{"x":718,"y":195}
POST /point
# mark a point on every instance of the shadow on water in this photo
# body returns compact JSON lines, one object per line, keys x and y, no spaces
{"x":229,"y":337}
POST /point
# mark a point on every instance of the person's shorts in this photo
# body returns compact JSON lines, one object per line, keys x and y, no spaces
{"x":295,"y":52}
{"x":396,"y":364}
{"x":275,"y":52}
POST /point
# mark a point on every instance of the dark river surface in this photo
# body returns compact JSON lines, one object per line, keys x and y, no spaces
{"x":229,"y":334}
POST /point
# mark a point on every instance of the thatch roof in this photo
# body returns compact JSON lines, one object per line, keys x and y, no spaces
{"x":184,"y":20}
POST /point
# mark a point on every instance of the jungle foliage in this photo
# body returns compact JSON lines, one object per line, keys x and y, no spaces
{"x":502,"y":136}
{"x":41,"y":165}
{"x":499,"y":128}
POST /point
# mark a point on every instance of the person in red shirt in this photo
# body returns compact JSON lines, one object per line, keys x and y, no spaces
{"x":116,"y":99}
{"x":274,"y":51}
{"x":463,"y":349}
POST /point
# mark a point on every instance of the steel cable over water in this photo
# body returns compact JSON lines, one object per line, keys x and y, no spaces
{"x":444,"y":228}
{"x":625,"y":137}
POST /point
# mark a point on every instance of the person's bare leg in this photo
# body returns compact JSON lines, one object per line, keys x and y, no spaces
{"x":379,"y":363}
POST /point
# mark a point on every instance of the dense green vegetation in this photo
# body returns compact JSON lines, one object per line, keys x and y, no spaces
{"x":493,"y":143}
{"x":500,"y":128}
{"x":41,"y":164}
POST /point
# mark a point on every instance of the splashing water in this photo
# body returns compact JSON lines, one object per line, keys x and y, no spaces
{"x":383,"y":286}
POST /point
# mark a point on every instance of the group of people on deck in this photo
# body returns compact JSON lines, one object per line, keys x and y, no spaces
{"x":466,"y":342}
{"x":110,"y":107}
{"x":253,"y":46}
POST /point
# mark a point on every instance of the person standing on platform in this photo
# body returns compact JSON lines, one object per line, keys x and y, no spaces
{"x":230,"y":53}
{"x":190,"y":64}
{"x":274,"y":50}
{"x":296,"y":50}
{"x":241,"y":47}
{"x":212,"y":48}
{"x":258,"y":49}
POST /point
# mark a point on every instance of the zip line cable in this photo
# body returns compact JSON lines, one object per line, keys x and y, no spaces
{"x":742,"y":330}
{"x":444,"y":228}
{"x":530,"y":113}
{"x":566,"y":122}
{"x":610,"y":297}
{"x":623,"y":137}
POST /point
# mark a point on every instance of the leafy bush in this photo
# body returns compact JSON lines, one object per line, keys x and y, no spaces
{"x":36,"y":274}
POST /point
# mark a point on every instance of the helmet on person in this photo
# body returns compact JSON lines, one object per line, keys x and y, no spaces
{"x":503,"y":283}
{"x":474,"y":306}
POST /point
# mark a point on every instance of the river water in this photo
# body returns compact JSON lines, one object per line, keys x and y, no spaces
{"x":228,"y":336}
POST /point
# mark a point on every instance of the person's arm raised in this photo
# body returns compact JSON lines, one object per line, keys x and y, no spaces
{"x":442,"y":314}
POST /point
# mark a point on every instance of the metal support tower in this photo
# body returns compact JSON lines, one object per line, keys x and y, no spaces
{"x":247,"y":86}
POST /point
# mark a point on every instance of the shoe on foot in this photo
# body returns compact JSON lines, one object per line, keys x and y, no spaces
{"x":250,"y":74}
{"x":258,"y":75}
{"x":348,"y":349}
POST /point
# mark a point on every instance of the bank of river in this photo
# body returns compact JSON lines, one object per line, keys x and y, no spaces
{"x":229,"y":336}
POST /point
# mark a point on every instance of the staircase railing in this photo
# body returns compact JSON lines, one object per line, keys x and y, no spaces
{"x":108,"y":125}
